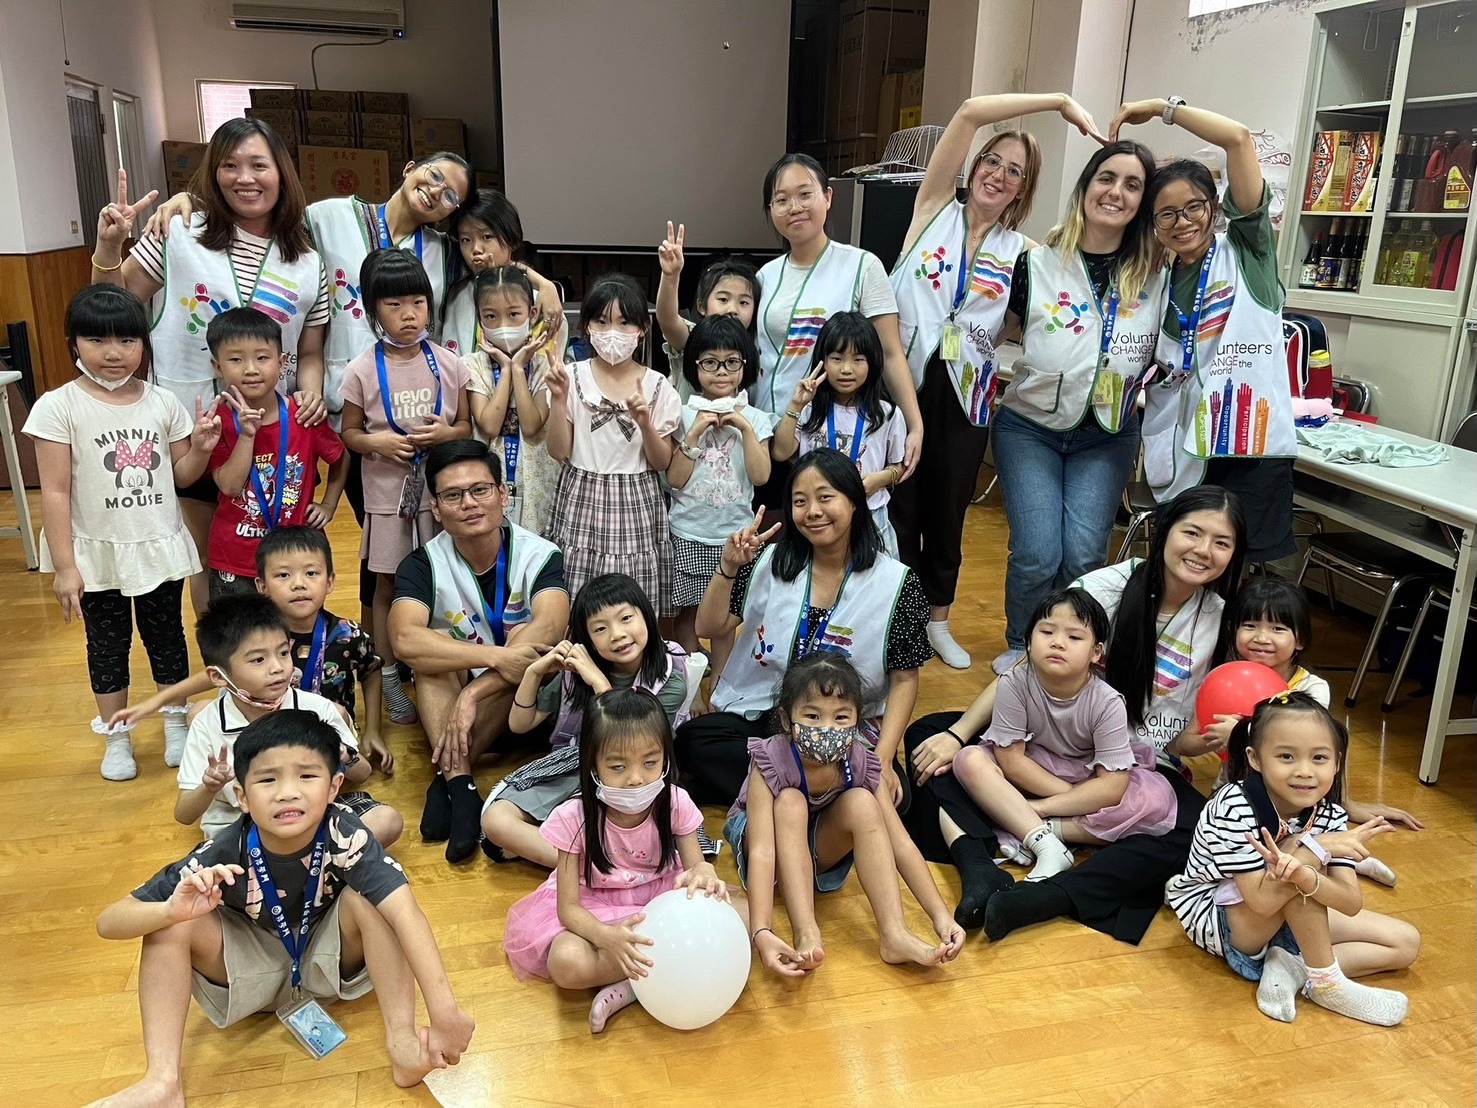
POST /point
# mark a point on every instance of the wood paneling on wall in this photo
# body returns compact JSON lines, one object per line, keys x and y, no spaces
{"x":37,"y":288}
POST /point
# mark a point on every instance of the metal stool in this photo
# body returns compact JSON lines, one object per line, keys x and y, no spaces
{"x":27,"y":534}
{"x":1139,"y":504}
{"x":1438,"y":597}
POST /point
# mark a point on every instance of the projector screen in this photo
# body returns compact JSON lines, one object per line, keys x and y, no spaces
{"x":619,"y":116}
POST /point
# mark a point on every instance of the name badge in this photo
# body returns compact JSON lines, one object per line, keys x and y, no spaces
{"x":410,"y":493}
{"x":311,"y":1026}
{"x":951,"y":348}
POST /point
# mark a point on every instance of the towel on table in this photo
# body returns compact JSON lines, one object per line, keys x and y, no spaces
{"x":1351,"y":443}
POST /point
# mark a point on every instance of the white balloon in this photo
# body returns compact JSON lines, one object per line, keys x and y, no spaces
{"x":701,"y":956}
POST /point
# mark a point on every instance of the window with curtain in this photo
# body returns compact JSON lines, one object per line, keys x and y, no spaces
{"x":129,"y":130}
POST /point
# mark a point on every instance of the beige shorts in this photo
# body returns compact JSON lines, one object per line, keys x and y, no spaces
{"x":259,"y":972}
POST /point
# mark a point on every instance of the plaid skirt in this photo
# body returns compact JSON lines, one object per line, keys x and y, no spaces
{"x":694,"y":564}
{"x":613,"y":523}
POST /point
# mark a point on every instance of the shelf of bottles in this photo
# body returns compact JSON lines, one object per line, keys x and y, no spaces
{"x":1386,"y":202}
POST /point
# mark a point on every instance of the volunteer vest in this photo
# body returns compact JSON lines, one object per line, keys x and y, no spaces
{"x":344,"y":229}
{"x":568,"y":722}
{"x":833,"y":285}
{"x":1235,"y":402}
{"x":199,"y":284}
{"x":1064,"y":368}
{"x":858,"y":628}
{"x":459,"y":606}
{"x":926,"y":281}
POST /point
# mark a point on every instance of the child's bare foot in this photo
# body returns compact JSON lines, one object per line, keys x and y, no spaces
{"x":808,"y":945}
{"x":410,"y":1061}
{"x":151,"y":1092}
{"x":608,"y":1001}
{"x":904,"y":946}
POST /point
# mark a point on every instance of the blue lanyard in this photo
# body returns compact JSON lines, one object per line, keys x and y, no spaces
{"x":966,"y":266}
{"x":1190,"y":327}
{"x":856,"y":437}
{"x":845,"y":771}
{"x":313,"y":668}
{"x":296,"y":942}
{"x":272,"y":513}
{"x":384,"y":231}
{"x":511,"y":445}
{"x":807,"y":640}
{"x":379,"y":365}
{"x":493,"y":613}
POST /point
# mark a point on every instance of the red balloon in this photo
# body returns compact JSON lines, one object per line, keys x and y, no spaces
{"x":1235,"y":689}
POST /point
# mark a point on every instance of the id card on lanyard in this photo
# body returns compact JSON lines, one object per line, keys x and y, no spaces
{"x":303,"y":1016}
{"x":808,"y":640}
{"x":271,"y":511}
{"x":313,"y":667}
{"x":415,"y":481}
{"x":856,"y":435}
{"x":951,"y":345}
{"x":511,"y":445}
{"x":382,"y":225}
{"x":1190,"y":325}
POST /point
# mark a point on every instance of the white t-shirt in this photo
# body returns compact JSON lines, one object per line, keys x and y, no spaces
{"x":718,"y":498}
{"x":606,"y":438}
{"x":1220,"y":850}
{"x":1184,"y":654}
{"x":127,"y":529}
{"x":874,"y":296}
{"x":881,"y":447}
{"x":1312,"y":684}
{"x":217,"y":725}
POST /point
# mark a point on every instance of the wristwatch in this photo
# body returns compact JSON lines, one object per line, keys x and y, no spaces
{"x":1315,"y":847}
{"x":692,"y":452}
{"x":1169,"y":106}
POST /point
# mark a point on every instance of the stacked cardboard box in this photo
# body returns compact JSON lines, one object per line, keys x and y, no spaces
{"x":431,"y":136}
{"x":181,"y":159}
{"x":338,"y":171}
{"x":875,"y":38}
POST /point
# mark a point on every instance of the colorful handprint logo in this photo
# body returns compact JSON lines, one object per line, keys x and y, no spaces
{"x":346,"y":296}
{"x":932,"y":266}
{"x":762,"y":649}
{"x":1065,"y":315}
{"x":203,"y":306}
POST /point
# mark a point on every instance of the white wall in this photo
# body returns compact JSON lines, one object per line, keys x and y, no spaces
{"x":444,"y":63}
{"x":949,"y":72}
{"x":654,"y":111}
{"x":1248,"y":63}
{"x":109,"y":43}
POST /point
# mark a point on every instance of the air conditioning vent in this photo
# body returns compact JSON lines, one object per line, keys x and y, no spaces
{"x":356,"y":18}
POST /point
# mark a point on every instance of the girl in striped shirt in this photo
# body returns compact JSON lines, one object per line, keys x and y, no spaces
{"x":1270,"y":885}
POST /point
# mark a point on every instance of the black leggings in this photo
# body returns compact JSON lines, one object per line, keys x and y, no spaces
{"x":354,"y":492}
{"x":1117,"y":890}
{"x":108,"y":619}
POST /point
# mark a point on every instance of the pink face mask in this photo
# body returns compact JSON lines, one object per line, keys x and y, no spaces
{"x":254,"y":701}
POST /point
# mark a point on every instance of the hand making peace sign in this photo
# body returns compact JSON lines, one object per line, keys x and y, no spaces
{"x":115,"y":222}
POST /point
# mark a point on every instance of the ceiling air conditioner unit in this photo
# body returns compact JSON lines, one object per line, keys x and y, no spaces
{"x":359,"y":18}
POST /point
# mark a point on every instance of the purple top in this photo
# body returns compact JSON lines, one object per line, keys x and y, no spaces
{"x":775,"y":759}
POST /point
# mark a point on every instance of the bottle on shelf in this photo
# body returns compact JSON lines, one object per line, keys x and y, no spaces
{"x":1352,"y":257}
{"x":1405,"y":174}
{"x":1328,"y":267}
{"x":1358,"y":269}
{"x":1410,"y":267}
{"x":1308,"y":278}
{"x":1460,"y":169}
{"x":1390,"y":249}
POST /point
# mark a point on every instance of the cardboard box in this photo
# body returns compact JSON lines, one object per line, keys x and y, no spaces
{"x":396,"y":147}
{"x":910,"y":93}
{"x":489,"y":180}
{"x":384,"y":103}
{"x":848,"y":153}
{"x":322,"y":100}
{"x":429,"y":135}
{"x":889,"y":107}
{"x":1364,"y":155}
{"x":875,"y":40}
{"x":340,"y":171}
{"x":328,"y":123}
{"x":285,"y":121}
{"x":291,"y":99}
{"x":181,"y":159}
{"x":384,"y":126}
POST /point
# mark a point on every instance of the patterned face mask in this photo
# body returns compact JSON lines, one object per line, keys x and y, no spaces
{"x":826,"y":745}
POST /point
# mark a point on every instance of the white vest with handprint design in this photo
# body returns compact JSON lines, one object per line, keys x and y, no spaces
{"x":787,"y":343}
{"x":1063,"y":370}
{"x":1236,"y":399}
{"x":927,"y":282}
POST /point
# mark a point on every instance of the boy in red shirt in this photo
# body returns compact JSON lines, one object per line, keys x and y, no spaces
{"x":266,"y":465}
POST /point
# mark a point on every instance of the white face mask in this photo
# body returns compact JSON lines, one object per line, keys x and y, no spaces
{"x":420,"y":338}
{"x":111,"y":386}
{"x":506,"y":339}
{"x":631,"y":801}
{"x":614,"y":347}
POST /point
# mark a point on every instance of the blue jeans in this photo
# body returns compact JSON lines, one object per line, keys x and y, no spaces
{"x":1061,"y":491}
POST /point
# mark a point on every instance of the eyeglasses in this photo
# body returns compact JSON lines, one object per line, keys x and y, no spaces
{"x":449,"y":196}
{"x":728,"y":367}
{"x":799,"y":200}
{"x":480,"y":491}
{"x":994,"y":163}
{"x":1165,"y":218}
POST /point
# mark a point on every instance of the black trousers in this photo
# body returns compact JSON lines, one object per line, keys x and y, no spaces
{"x":354,"y":493}
{"x":713,"y":754}
{"x":108,"y":618}
{"x":1119,"y":888}
{"x":927,"y":510}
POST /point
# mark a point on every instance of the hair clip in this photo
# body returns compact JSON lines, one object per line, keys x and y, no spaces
{"x":1282,"y":698}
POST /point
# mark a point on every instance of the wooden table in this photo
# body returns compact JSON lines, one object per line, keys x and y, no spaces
{"x":1445,"y":493}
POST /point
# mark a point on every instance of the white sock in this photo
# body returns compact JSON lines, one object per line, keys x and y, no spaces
{"x":1376,"y":871}
{"x":945,"y":646}
{"x":1052,"y":855}
{"x":1329,"y":988}
{"x":1283,"y":976}
{"x":176,"y":731}
{"x":118,"y":763}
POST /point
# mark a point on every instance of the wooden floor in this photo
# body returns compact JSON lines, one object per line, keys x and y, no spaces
{"x":1056,"y":1014}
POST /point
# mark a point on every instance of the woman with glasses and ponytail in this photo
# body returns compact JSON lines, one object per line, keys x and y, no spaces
{"x":953,"y":284}
{"x":1220,"y":412}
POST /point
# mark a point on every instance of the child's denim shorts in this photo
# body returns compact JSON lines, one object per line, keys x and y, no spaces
{"x":1249,"y":966}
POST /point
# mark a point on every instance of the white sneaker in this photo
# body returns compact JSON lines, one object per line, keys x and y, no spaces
{"x":1004,"y":663}
{"x":950,"y":652}
{"x":118,"y":763}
